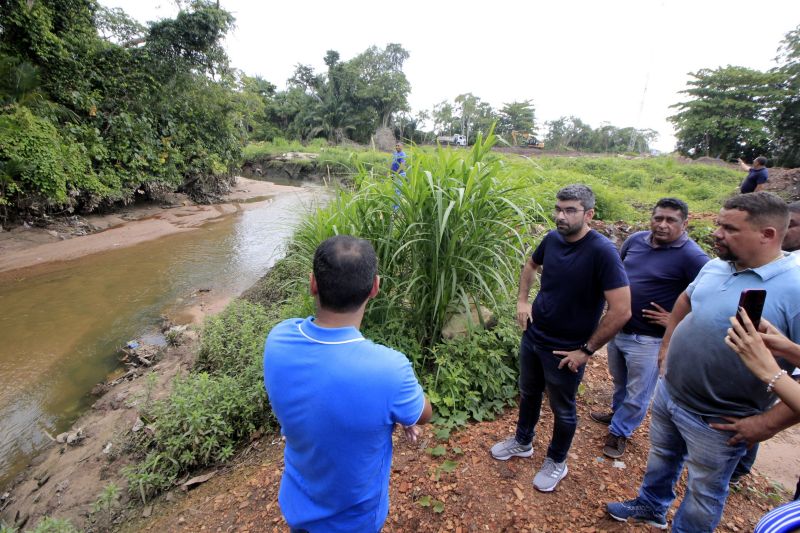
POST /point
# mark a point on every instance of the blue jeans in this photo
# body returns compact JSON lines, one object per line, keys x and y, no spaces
{"x":678,"y":436}
{"x":633,"y":363}
{"x":538,"y":370}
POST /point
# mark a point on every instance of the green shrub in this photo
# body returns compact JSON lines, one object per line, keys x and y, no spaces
{"x":50,"y":166}
{"x":201,"y":423}
{"x":234,"y":339}
{"x":475,"y":376}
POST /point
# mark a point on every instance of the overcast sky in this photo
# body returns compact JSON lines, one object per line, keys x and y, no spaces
{"x":591,"y":59}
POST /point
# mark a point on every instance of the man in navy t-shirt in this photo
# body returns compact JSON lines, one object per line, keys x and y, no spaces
{"x":756,"y":175}
{"x":337,"y":397}
{"x":581,"y":271}
{"x":660,"y":264}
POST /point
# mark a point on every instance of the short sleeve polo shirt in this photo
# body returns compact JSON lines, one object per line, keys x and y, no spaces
{"x":337,"y":397}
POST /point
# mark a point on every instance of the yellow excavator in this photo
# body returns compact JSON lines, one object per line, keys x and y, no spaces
{"x":525,"y":138}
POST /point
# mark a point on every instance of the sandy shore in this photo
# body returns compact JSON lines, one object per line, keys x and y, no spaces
{"x":25,"y":247}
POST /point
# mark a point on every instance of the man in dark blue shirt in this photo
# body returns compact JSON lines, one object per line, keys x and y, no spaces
{"x":756,"y":175}
{"x":660,"y":264}
{"x":581,"y":271}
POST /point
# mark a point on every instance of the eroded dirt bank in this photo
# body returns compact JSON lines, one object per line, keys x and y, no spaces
{"x":66,"y":239}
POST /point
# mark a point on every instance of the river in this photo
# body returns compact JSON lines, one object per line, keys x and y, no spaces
{"x":62,"y":324}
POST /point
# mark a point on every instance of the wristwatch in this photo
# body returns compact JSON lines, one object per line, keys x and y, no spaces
{"x":585,"y":349}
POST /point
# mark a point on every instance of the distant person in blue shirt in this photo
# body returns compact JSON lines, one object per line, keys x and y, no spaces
{"x":756,"y":175}
{"x":338,"y":397}
{"x":399,"y":160}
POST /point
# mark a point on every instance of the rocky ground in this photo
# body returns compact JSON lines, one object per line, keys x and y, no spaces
{"x":455,"y":486}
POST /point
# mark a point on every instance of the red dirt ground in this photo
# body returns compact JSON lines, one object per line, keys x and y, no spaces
{"x":480,"y":494}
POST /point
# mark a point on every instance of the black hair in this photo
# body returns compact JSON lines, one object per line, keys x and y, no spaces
{"x":578,"y":191}
{"x":673,"y":203}
{"x":763,"y":209}
{"x":761,"y":160}
{"x":345,"y":268}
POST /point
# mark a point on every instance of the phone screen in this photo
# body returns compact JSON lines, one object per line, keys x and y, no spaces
{"x":752,"y":300}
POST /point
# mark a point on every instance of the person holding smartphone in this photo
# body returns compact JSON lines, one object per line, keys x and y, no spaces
{"x":758,"y":349}
{"x":708,"y":399}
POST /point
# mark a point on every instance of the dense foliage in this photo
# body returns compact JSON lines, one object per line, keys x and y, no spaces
{"x":89,"y":119}
{"x":737,"y":112}
{"x":574,"y":134}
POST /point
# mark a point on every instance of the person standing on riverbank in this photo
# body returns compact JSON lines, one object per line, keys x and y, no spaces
{"x":337,"y":397}
{"x":581,"y":271}
{"x":399,"y":160}
{"x":660,"y":264}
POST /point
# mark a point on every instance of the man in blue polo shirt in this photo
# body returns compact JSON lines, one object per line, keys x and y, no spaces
{"x":705,"y":381}
{"x":337,"y":397}
{"x":399,"y":160}
{"x":581,"y":271}
{"x":660,"y":263}
{"x":756,"y":175}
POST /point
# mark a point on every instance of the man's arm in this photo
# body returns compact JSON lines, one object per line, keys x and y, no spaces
{"x":682,"y":307}
{"x":761,"y":427}
{"x":744,"y":165}
{"x":525,"y":283}
{"x":759,"y":187}
{"x":412,"y":432}
{"x":617,"y":315}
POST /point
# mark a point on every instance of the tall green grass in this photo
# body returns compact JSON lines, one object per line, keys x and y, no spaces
{"x":449,"y":235}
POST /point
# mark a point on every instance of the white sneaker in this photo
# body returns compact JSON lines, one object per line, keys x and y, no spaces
{"x":503,"y":451}
{"x":546,"y":479}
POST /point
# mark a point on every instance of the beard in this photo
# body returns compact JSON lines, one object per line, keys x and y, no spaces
{"x":724,"y":253}
{"x":566,"y":229}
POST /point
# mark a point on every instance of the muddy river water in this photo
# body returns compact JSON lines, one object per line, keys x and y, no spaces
{"x":62,"y":324}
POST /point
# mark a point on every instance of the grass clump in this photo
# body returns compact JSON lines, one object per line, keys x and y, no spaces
{"x":200,"y":424}
{"x":449,"y":236}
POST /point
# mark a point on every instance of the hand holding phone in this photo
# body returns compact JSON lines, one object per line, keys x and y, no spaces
{"x":752,"y":300}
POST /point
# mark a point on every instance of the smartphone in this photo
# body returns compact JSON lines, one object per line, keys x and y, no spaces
{"x":752,"y":300}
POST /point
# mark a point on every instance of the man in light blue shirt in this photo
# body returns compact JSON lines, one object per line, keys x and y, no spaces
{"x":337,"y":397}
{"x":705,"y":382}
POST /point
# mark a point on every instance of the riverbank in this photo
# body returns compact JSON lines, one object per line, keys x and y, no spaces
{"x":27,"y":246}
{"x":64,"y":480}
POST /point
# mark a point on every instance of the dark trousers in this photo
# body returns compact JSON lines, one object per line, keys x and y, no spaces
{"x":745,"y":463}
{"x":539,"y":372}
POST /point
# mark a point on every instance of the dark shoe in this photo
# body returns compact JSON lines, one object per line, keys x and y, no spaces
{"x":615,"y":446}
{"x":632,"y":509}
{"x":601,"y":417}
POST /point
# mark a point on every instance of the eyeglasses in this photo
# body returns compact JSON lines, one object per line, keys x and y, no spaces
{"x":569,"y":211}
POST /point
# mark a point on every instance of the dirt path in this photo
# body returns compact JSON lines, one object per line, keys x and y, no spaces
{"x":24,"y":246}
{"x":478,"y":494}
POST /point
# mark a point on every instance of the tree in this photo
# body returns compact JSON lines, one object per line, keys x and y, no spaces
{"x":517,"y":116}
{"x":785,"y":120}
{"x":726,"y":116}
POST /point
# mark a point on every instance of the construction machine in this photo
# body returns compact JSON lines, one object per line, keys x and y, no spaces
{"x":526,"y":138}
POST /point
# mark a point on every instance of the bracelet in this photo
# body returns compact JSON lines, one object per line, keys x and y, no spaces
{"x":775,"y":378}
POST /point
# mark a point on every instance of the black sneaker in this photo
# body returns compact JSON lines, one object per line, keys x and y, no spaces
{"x":601,"y":417}
{"x":615,"y":446}
{"x":637,"y":512}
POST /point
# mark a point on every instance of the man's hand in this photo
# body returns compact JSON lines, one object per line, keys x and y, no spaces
{"x":412,"y":433}
{"x":659,"y":316}
{"x":523,"y":314}
{"x":751,"y":430}
{"x":573,"y":360}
